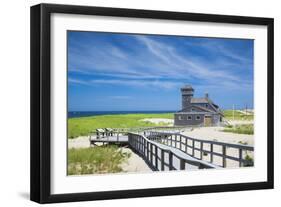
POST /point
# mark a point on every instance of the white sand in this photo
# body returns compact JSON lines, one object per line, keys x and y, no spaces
{"x":135,"y":163}
{"x":159,"y":120}
{"x":79,"y":142}
{"x":216,"y":133}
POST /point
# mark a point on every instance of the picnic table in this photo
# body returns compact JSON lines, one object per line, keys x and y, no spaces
{"x":100,"y":132}
{"x":109,"y":131}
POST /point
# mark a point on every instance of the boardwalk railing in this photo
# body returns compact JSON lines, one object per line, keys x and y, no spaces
{"x":161,"y":158}
{"x":199,"y":148}
{"x":109,"y":133}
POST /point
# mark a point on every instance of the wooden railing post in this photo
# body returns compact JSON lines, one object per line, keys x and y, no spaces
{"x":162,"y":160}
{"x":133,"y":141}
{"x":223,"y":155}
{"x":201,"y":150}
{"x":129,"y":135}
{"x":181,"y":142}
{"x":143,"y":147}
{"x":193,"y":146}
{"x":240,"y":157}
{"x":170,"y":160}
{"x":182,"y":164}
{"x":186,"y":140}
{"x":136,"y":142}
{"x":156,"y":157}
{"x":211,"y":153}
{"x":151,"y":153}
{"x":147,"y":150}
{"x":176,"y":138}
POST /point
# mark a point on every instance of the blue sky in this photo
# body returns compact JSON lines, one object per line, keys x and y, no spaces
{"x":125,"y":72}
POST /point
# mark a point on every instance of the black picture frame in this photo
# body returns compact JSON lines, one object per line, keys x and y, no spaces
{"x":41,"y":96}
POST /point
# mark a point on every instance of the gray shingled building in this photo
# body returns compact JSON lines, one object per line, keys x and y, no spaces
{"x":197,"y":111}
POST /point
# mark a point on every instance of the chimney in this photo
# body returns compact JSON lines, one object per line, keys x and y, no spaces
{"x":206,"y":95}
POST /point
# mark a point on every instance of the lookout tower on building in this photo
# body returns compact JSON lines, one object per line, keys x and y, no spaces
{"x":186,"y":95}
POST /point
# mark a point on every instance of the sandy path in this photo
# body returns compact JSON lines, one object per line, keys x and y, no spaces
{"x":135,"y":163}
{"x":216,"y":133}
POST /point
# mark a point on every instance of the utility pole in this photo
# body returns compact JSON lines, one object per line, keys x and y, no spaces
{"x":233,"y":112}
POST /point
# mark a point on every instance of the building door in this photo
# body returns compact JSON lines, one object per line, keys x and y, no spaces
{"x":207,"y":120}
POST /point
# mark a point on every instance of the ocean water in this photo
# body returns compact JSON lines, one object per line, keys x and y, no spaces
{"x":72,"y":114}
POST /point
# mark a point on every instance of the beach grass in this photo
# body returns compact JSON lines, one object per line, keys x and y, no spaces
{"x":102,"y":159}
{"x":228,"y":114}
{"x":240,"y":129}
{"x":83,"y":126}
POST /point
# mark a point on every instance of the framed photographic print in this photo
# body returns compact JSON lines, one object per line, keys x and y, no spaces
{"x":132,"y":103}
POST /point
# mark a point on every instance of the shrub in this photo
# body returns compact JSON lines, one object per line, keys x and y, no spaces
{"x":103,"y":159}
{"x":249,"y":161}
{"x":240,"y":129}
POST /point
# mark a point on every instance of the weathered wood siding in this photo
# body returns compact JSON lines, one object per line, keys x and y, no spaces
{"x":182,"y":119}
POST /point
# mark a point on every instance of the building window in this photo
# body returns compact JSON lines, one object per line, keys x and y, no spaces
{"x":180,"y":118}
{"x":198,"y":117}
{"x":189,"y":117}
{"x":206,"y":105}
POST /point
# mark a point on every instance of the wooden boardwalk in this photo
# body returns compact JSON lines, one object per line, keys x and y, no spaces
{"x":161,"y":157}
{"x":168,"y":150}
{"x":121,"y":139}
{"x":201,"y":149}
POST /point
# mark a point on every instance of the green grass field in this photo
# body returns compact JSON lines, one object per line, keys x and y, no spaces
{"x":96,"y":160}
{"x":240,"y":129}
{"x":228,"y":114}
{"x":84,"y":125}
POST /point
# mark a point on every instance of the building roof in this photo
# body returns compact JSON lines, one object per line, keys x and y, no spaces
{"x":199,"y":100}
{"x":187,"y":87}
{"x":204,"y":109}
{"x":204,"y":101}
{"x":195,"y":112}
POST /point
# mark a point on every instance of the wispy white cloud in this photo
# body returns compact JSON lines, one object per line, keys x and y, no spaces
{"x":138,"y":83}
{"x":183,"y":65}
{"x":224,"y":52}
{"x":155,"y":84}
{"x":152,"y":62}
{"x":78,"y":81}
